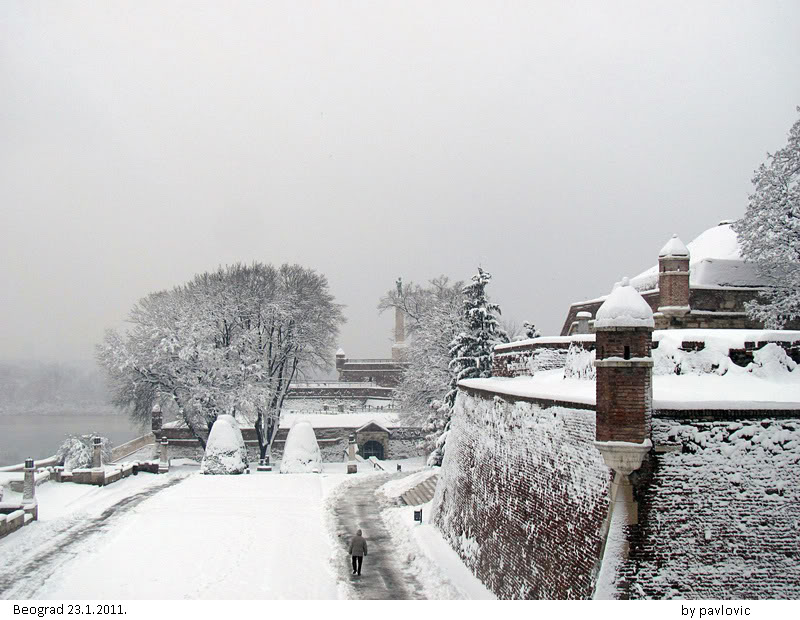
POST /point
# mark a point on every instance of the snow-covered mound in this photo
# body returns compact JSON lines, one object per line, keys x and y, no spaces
{"x":625,"y":307}
{"x":714,"y":260}
{"x":301,"y":454}
{"x":225,"y":450}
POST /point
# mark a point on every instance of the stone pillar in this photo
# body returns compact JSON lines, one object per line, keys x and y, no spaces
{"x":97,"y":452}
{"x":583,"y":322}
{"x":156,"y":421}
{"x":29,"y":501}
{"x":673,"y":278}
{"x":351,"y":448}
{"x":399,"y":346}
{"x":163,"y":464}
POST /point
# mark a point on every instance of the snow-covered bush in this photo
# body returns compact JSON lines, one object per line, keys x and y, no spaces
{"x":301,"y":454}
{"x":579,"y":363}
{"x":772,"y":362}
{"x":76,"y":451}
{"x":225,"y":449}
{"x":669,"y":359}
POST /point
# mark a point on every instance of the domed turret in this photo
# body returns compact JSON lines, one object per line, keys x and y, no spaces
{"x":673,"y":278}
{"x":624,"y":332}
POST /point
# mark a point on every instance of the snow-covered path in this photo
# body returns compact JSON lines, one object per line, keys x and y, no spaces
{"x":359,"y":507}
{"x":252,"y":536}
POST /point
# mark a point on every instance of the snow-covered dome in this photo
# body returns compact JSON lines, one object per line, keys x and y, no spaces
{"x":340,"y":352}
{"x":674,"y":247}
{"x":624,"y":307}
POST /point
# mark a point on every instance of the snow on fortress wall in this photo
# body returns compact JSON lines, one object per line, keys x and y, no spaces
{"x":719,"y":514}
{"x":522,"y":496}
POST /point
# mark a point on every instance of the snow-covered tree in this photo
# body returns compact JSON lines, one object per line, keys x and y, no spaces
{"x":530,"y":330}
{"x":470,"y":355}
{"x":434,"y":317}
{"x":769,"y":233}
{"x":227,"y":342}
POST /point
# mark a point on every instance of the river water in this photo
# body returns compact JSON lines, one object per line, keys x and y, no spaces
{"x":39,"y":436}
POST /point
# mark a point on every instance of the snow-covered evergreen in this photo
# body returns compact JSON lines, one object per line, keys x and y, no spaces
{"x":769,"y":233}
{"x":470,"y":356}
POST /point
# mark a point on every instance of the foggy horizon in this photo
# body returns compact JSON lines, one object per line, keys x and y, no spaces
{"x":557,"y":147}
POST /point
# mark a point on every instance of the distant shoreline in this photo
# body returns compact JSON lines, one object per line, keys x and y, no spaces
{"x":63,"y":410}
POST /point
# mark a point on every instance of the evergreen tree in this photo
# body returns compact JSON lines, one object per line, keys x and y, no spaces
{"x":769,"y":233}
{"x":471,"y":356}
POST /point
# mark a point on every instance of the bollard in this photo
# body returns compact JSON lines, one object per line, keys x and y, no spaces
{"x":163,"y":464}
{"x":97,"y":452}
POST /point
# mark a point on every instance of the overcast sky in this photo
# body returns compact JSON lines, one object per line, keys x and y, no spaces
{"x":556,"y":144}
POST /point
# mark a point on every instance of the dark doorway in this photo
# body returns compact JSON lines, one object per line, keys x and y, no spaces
{"x":372,"y":448}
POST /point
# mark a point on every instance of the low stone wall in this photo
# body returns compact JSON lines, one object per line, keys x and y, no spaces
{"x":522,"y":496}
{"x":132,"y":446}
{"x":531,"y":356}
{"x":13,"y":520}
{"x":403,"y":443}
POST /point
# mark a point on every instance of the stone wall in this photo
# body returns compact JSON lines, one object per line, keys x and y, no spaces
{"x":719,"y":512}
{"x":522,"y":496}
{"x":403,"y":443}
{"x":526,"y":359}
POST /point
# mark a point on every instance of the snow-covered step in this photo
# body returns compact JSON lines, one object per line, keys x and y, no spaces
{"x":421,"y":493}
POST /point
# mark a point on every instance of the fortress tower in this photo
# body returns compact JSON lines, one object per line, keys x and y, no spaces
{"x":624,"y":328}
{"x":673,"y":278}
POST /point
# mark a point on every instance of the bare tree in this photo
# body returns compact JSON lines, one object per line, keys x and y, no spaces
{"x":230,"y":341}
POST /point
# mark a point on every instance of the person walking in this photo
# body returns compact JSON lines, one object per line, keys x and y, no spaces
{"x":358,"y":549}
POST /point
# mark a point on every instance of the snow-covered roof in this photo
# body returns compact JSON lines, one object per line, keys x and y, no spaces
{"x":714,"y":260}
{"x":386,"y":419}
{"x":673,"y":247}
{"x":625,"y":307}
{"x":340,"y":352}
{"x":372,"y":423}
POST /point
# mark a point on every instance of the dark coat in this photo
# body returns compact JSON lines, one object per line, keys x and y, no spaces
{"x":358,"y":546}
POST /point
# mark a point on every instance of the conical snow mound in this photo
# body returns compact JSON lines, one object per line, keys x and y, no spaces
{"x":301,"y":454}
{"x":625,"y":307}
{"x":225,"y":450}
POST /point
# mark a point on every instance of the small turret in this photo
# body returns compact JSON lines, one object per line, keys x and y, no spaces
{"x":673,"y":278}
{"x":340,"y":359}
{"x":624,"y":329}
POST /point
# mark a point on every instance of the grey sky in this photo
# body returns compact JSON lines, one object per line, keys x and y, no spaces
{"x":556,"y":144}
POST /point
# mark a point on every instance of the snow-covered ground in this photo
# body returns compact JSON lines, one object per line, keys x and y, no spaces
{"x":184,"y":535}
{"x":247,"y":536}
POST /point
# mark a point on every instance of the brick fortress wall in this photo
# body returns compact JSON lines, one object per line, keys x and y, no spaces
{"x":522,"y":496}
{"x":719,"y":512}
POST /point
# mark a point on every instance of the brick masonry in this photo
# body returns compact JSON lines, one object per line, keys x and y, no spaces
{"x":719,"y":512}
{"x":522,"y":497}
{"x":625,"y":387}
